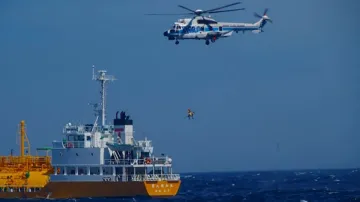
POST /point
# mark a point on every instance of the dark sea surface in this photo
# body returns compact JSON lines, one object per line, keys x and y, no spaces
{"x":299,"y":186}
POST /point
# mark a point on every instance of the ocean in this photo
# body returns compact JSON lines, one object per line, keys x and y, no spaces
{"x":297,"y":186}
{"x":270,"y":186}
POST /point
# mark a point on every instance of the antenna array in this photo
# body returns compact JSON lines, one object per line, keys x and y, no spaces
{"x":102,"y":78}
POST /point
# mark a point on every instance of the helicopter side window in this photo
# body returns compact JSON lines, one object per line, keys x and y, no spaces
{"x":220,"y":28}
{"x":202,"y":29}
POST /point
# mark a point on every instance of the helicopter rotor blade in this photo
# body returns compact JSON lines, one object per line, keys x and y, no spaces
{"x":187,"y":9}
{"x":199,"y":13}
{"x":230,"y":10}
{"x":218,"y":8}
{"x":265,"y":11}
{"x":169,"y":14}
{"x":257,"y":15}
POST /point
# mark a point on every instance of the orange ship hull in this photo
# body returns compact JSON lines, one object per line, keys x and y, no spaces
{"x":63,"y":190}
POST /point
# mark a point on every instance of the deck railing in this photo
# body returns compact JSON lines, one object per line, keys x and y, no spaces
{"x":81,"y":129}
{"x":79,"y":144}
{"x":144,"y":161}
{"x":155,"y":177}
{"x":73,"y":144}
{"x":6,"y":160}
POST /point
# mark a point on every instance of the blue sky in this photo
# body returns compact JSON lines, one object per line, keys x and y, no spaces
{"x":296,"y":84}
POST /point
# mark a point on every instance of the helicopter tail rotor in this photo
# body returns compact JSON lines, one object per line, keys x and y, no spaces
{"x":262,"y":22}
{"x":264,"y":16}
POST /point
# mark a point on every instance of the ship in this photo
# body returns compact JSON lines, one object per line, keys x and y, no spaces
{"x":104,"y":160}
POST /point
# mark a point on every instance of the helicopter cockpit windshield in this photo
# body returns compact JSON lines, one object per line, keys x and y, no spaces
{"x":176,"y":27}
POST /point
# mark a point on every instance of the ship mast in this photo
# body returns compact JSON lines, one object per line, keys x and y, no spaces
{"x":102,"y":78}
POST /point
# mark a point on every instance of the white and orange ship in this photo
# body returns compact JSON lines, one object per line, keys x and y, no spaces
{"x":101,"y":160}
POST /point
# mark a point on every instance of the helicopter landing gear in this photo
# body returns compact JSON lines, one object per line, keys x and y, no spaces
{"x":207,"y":42}
{"x":176,"y":42}
{"x":213,"y":39}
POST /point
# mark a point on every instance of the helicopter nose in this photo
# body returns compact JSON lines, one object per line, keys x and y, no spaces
{"x":166,"y":33}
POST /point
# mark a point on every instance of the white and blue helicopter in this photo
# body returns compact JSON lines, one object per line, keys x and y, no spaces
{"x":200,"y":27}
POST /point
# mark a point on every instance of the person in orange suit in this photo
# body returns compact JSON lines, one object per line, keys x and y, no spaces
{"x":190,"y":114}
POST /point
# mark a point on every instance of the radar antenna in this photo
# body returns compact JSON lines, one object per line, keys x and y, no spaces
{"x":102,"y":78}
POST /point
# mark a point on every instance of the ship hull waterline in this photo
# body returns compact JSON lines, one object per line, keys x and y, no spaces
{"x":65,"y":190}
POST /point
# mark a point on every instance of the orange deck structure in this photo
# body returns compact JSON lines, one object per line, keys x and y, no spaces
{"x":24,"y":172}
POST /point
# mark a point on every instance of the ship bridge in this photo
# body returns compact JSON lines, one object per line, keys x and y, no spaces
{"x":85,"y":136}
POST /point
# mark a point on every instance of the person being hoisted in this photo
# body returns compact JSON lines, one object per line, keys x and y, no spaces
{"x":190,"y":114}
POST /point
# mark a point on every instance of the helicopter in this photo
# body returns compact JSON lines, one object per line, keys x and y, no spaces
{"x":200,"y":27}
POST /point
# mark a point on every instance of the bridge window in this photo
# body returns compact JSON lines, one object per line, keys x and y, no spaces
{"x":88,"y":127}
{"x":107,"y":171}
{"x":71,"y":170}
{"x":82,"y":170}
{"x":76,"y":138}
{"x":118,"y":171}
{"x":94,"y":171}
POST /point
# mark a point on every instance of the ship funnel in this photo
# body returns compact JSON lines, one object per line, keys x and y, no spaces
{"x":124,"y":128}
